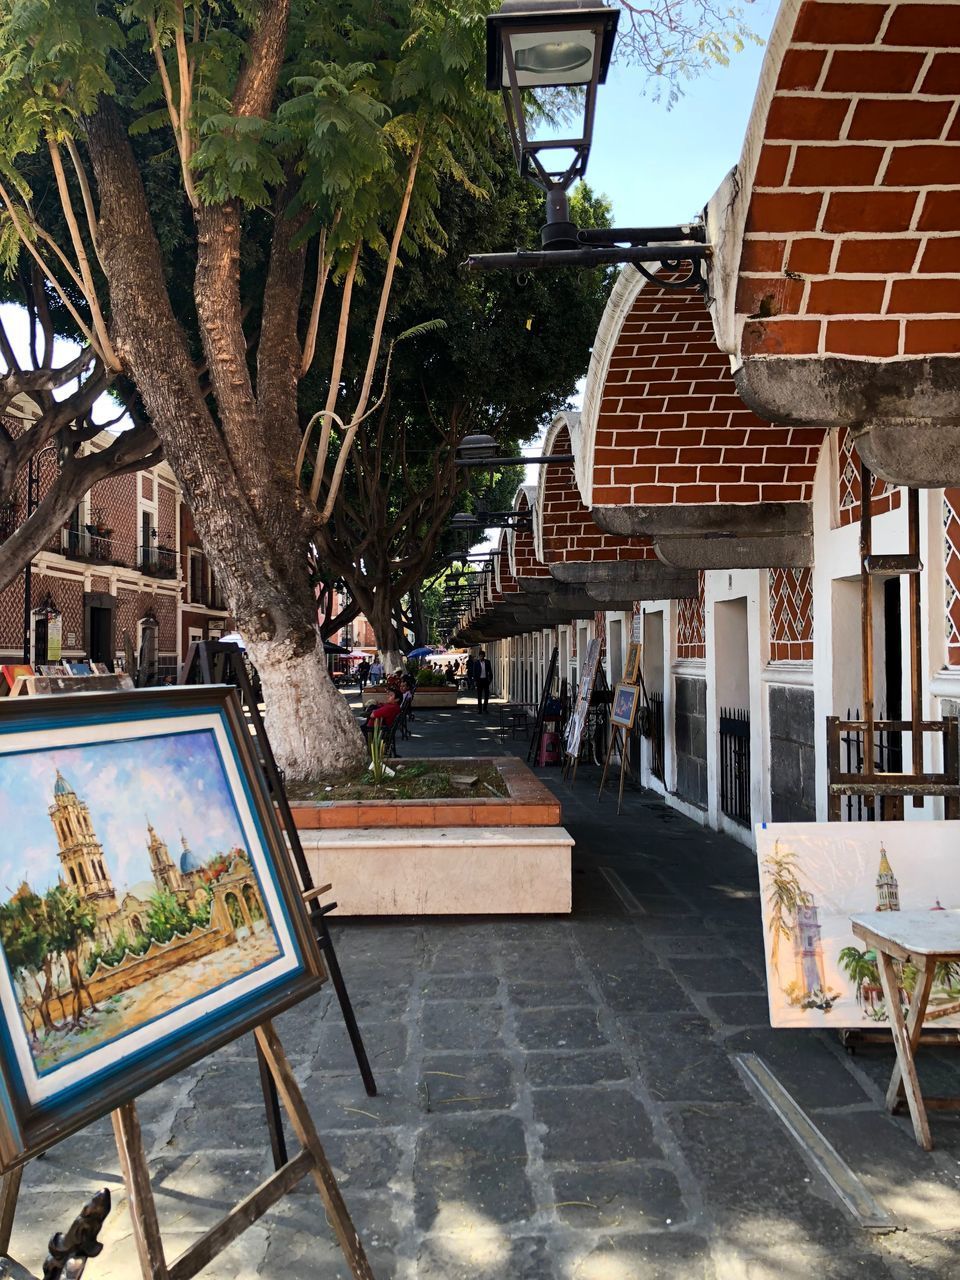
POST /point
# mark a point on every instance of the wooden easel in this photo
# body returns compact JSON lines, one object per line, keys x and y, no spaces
{"x":618,"y":735}
{"x":218,"y":661}
{"x":622,"y":734}
{"x":310,"y":1159}
{"x":534,"y":748}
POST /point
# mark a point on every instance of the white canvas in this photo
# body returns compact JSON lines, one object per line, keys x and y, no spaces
{"x":813,"y":878}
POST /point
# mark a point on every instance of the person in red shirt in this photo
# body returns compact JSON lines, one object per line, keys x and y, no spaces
{"x":386,"y":714}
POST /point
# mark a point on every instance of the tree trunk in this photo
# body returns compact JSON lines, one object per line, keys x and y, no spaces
{"x":418,"y":617}
{"x":256,"y":546}
{"x":311,"y":728}
{"x":385,"y":630}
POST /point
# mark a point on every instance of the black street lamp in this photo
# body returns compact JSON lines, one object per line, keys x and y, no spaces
{"x":490,"y":520}
{"x":481,"y":451}
{"x":566,"y":45}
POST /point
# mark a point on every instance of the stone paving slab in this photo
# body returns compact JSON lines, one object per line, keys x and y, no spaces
{"x":557,"y":1097}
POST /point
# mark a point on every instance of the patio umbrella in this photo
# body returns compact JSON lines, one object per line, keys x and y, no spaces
{"x":423,"y":652}
{"x":330,"y":647}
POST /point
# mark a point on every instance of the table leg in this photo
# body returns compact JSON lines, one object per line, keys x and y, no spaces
{"x":918,"y":1008}
{"x":901,"y":1041}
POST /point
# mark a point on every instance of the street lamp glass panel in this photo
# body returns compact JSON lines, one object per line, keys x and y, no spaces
{"x":543,"y":61}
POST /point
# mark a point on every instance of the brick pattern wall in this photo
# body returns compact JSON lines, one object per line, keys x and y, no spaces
{"x":134,"y":605}
{"x":524,"y":550}
{"x":600,"y":631}
{"x":672,"y":428}
{"x":951,"y":568}
{"x":116,"y":498}
{"x":885,"y":496}
{"x":691,"y":625}
{"x":569,"y":531}
{"x":166,"y":515}
{"x":791,"y":615}
{"x":851,"y":245}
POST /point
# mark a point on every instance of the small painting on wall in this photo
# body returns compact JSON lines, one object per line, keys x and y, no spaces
{"x":813,"y":878}
{"x":149,"y":913}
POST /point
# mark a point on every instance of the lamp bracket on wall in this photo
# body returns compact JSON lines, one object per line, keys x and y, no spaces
{"x":680,"y":250}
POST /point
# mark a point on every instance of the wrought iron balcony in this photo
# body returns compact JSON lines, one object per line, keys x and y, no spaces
{"x":157,"y":562}
{"x":85,"y":544}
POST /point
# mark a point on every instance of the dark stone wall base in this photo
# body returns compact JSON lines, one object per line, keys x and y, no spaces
{"x":793,"y":796}
{"x":691,"y":739}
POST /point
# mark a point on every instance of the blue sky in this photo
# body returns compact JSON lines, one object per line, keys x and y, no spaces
{"x":660,"y":166}
{"x":175,"y":780}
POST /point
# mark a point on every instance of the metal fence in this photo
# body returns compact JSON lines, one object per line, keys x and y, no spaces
{"x":888,"y":758}
{"x":657,"y":736}
{"x":735,"y":764}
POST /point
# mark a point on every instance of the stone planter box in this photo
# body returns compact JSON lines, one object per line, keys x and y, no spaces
{"x":426,"y":699}
{"x":443,"y":857}
{"x":409,"y":871}
{"x":528,"y":803}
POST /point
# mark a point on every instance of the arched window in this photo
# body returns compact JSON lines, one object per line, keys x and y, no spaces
{"x":73,"y":875}
{"x":83,"y":874}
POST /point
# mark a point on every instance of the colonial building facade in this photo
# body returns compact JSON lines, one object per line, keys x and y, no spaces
{"x":126,"y":574}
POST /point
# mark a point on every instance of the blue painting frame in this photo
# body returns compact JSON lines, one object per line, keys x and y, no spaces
{"x":244,"y":952}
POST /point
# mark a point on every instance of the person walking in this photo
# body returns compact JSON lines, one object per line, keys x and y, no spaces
{"x":376,"y":670}
{"x":363,"y":673}
{"x":483,"y":676}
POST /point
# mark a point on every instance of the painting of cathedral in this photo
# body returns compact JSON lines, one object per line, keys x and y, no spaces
{"x":813,"y":878}
{"x":148,"y":911}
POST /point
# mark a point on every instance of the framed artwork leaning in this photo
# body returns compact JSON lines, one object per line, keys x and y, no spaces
{"x":631,"y":666}
{"x":149,"y":914}
{"x":625,"y":699}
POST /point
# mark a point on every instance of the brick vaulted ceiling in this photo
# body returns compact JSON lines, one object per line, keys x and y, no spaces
{"x":577,"y":550}
{"x":669,"y":451}
{"x":836,"y":280}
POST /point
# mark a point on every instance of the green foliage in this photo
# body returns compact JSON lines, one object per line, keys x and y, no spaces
{"x":167,"y":917}
{"x":378,"y":767}
{"x":431,"y":679}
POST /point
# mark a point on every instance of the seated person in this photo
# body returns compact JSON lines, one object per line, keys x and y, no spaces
{"x":386,"y":713}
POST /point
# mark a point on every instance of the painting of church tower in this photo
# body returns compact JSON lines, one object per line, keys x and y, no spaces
{"x":80,"y":852}
{"x":888,"y":891}
{"x":164,"y":869}
{"x":808,"y":947}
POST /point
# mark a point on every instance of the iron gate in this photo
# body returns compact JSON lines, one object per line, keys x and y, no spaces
{"x":657,"y":736}
{"x":735,"y":764}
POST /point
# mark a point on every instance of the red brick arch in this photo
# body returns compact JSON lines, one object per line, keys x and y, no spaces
{"x":669,"y":449}
{"x":524,"y":561}
{"x":837,"y":280}
{"x":564,"y":529}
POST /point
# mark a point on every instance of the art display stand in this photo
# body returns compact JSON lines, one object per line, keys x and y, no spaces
{"x":222,"y":662}
{"x":571,"y":748}
{"x":309,"y":1160}
{"x":533,"y":753}
{"x":618,"y":736}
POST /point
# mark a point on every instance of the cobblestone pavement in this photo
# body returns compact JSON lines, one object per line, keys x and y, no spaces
{"x":558,"y":1097}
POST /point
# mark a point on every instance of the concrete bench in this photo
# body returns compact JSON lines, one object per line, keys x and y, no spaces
{"x":443,"y":870}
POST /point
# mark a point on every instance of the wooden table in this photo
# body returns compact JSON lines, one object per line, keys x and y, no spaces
{"x":925,"y":938}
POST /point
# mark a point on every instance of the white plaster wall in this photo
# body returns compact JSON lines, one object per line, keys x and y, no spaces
{"x":750,"y":587}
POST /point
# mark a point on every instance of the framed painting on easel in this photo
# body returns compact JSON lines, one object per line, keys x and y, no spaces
{"x":152,"y":914}
{"x":625,"y":700}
